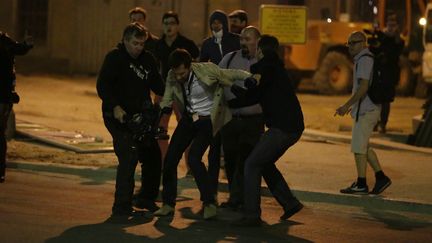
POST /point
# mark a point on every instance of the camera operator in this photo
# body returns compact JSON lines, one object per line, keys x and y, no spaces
{"x":124,"y":83}
{"x":8,"y":49}
{"x":387,"y":45}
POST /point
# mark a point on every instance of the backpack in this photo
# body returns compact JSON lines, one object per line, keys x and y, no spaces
{"x":380,"y":91}
{"x":230,"y":58}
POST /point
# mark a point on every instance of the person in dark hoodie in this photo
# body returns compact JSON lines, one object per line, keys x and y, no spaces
{"x":8,"y":49}
{"x":221,"y":42}
{"x":212,"y":50}
{"x":283,"y":116}
{"x":127,"y":75}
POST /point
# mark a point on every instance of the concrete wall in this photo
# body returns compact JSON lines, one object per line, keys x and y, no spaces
{"x":81,"y":32}
{"x":8,"y":16}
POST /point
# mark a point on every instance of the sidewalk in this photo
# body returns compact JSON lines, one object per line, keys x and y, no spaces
{"x":316,"y":168}
{"x":321,"y":164}
{"x":383,"y":142}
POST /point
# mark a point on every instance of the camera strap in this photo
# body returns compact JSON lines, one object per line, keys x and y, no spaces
{"x":185,"y":100}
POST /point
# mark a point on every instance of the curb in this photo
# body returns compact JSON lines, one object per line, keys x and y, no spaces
{"x":374,"y":142}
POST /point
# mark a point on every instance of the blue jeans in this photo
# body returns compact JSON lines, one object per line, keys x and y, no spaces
{"x":261,"y":162}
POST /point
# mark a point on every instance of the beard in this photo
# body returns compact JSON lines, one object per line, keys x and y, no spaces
{"x":245,"y":52}
{"x":235,"y":29}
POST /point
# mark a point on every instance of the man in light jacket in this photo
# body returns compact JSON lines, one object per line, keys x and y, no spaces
{"x":198,"y":89}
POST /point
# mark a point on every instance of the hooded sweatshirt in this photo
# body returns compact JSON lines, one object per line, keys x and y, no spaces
{"x":127,"y":81}
{"x":213,"y":46}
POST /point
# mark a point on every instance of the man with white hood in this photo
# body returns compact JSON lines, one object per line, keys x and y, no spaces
{"x":221,"y":42}
{"x":213,"y":49}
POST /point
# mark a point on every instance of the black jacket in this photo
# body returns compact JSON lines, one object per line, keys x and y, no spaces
{"x":388,"y":52}
{"x":8,"y":49}
{"x":127,"y":82}
{"x":230,"y":41}
{"x":275,"y":94}
{"x":163,"y":51}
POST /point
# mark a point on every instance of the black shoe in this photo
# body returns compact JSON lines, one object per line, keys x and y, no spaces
{"x":231,"y":205}
{"x":381,"y":185}
{"x":146,"y":204}
{"x":120,"y":217}
{"x":2,"y":179}
{"x":291,"y":211}
{"x":248,"y":222}
{"x":354,"y":189}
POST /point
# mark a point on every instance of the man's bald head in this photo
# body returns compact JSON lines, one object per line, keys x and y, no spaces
{"x":252,"y":29}
{"x":248,"y":41}
{"x":356,"y":42}
{"x":358,"y":35}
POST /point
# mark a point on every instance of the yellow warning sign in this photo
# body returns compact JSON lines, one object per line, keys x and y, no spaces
{"x":286,"y":22}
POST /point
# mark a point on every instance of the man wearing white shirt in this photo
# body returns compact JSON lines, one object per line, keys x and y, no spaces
{"x":365,"y":115}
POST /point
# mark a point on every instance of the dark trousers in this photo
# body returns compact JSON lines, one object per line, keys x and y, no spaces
{"x":198,"y":135}
{"x":214,"y":159}
{"x":385,"y":112}
{"x":5,"y":109}
{"x":239,"y":137}
{"x":129,"y":152}
{"x":261,"y":162}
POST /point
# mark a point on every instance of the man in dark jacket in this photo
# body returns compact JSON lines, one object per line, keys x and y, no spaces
{"x":170,"y":41}
{"x":389,"y":50}
{"x":238,"y":20}
{"x":221,"y":42}
{"x":124,"y":83}
{"x":283,"y":117}
{"x":139,"y":15}
{"x":8,"y":49}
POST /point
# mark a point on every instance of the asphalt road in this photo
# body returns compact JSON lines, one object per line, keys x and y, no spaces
{"x":52,"y":203}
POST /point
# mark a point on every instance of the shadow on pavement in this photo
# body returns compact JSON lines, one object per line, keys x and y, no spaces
{"x":221,"y":231}
{"x":102,"y":232}
{"x":196,"y":231}
{"x":397,"y":221}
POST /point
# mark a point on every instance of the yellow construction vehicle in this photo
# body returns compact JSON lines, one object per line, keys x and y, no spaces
{"x":322,"y":63}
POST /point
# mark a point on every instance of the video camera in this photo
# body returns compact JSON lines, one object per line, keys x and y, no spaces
{"x":375,"y":37}
{"x":146,"y":124}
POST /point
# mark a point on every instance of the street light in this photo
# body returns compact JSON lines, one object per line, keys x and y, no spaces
{"x":423,"y":21}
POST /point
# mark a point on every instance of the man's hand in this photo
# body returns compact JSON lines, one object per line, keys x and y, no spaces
{"x":119,"y":113}
{"x":250,"y":82}
{"x":166,"y":110}
{"x":28,"y":39}
{"x":238,"y":91}
{"x":342,"y":110}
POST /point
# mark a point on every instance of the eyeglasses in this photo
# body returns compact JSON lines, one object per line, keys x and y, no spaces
{"x":170,"y":23}
{"x":350,"y":43}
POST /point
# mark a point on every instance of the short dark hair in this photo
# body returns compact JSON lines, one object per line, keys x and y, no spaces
{"x":171,"y":14}
{"x":179,"y":57}
{"x":241,"y":14}
{"x":391,"y":15}
{"x":268,"y":44}
{"x":138,"y":10}
{"x":134,"y":29}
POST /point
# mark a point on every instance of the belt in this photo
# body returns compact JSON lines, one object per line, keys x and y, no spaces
{"x":241,"y":116}
{"x":189,"y":115}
